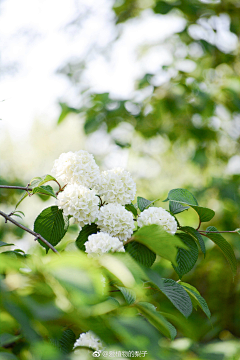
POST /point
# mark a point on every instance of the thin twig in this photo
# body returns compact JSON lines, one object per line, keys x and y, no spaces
{"x":217,"y":232}
{"x":37,"y":236}
{"x":26,"y":188}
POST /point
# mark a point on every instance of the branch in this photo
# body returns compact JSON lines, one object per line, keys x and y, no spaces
{"x":37,"y":236}
{"x":15,"y":187}
{"x":216,"y":232}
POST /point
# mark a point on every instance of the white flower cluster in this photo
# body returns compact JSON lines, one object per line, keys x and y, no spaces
{"x":101,"y":243}
{"x":77,"y":168}
{"x":89,"y":339}
{"x":117,"y":186}
{"x":115,"y":220}
{"x":79,"y":202}
{"x":80,"y":199}
{"x":158,"y":216}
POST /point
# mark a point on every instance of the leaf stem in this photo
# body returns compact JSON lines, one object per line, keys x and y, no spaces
{"x":37,"y":236}
{"x":217,"y":232}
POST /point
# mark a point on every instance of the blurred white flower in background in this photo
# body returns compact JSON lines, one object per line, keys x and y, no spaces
{"x":158,"y":216}
{"x":115,"y":220}
{"x":101,"y":243}
{"x":89,"y":339}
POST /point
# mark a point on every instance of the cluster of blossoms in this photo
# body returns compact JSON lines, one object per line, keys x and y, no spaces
{"x":92,"y":196}
{"x":89,"y":339}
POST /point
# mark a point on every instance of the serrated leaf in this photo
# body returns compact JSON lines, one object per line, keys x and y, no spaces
{"x":141,"y":253}
{"x":2,"y":243}
{"x":144,"y":203}
{"x":84,"y":234}
{"x":159,"y":241}
{"x":184,"y":196}
{"x":196,"y":235}
{"x":52,"y":225}
{"x":177,"y":295}
{"x":131,"y":207}
{"x":128,"y":294}
{"x":40,"y":180}
{"x":67,"y":341}
{"x":196,"y":298}
{"x":157,"y":320}
{"x":44,"y":190}
{"x":224,"y":246}
{"x":176,"y":208}
{"x":186,"y":259}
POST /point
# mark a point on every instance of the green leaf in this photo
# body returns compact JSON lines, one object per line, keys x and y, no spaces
{"x":157,"y":320}
{"x":177,"y":295}
{"x":65,"y":111}
{"x":6,"y":339}
{"x":23,"y":196}
{"x":84,"y":234}
{"x":141,"y":253}
{"x":176,"y":208}
{"x":128,"y":294}
{"x":159,"y":241}
{"x":131,"y":207}
{"x":196,"y":298}
{"x":67,"y":341}
{"x":224,"y":246}
{"x":144,"y":203}
{"x":45,"y":190}
{"x":2,"y":243}
{"x":196,"y":235}
{"x":7,"y":356}
{"x":186,"y":259}
{"x":40,"y":180}
{"x":52,"y":225}
{"x":184,"y":196}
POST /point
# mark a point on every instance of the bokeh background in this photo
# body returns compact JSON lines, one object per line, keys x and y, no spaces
{"x":152,"y":86}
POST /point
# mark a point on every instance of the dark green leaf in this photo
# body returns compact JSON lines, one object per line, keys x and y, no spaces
{"x":157,"y":320}
{"x":184,"y":196}
{"x":131,"y":207}
{"x":6,"y":339}
{"x":196,"y":298}
{"x":196,"y":235}
{"x":177,"y":295}
{"x":67,"y":341}
{"x":144,"y":203}
{"x":84,"y":234}
{"x":176,"y":208}
{"x":159,"y":241}
{"x":224,"y":246}
{"x":128,"y":294}
{"x":186,"y":259}
{"x":141,"y":253}
{"x":2,"y":243}
{"x":52,"y":225}
{"x":45,"y":190}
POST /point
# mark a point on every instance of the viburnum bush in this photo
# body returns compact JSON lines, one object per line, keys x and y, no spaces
{"x":101,"y":298}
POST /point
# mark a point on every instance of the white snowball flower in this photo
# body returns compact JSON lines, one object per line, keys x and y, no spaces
{"x":117,"y":186}
{"x":77,"y":167}
{"x":80,"y":202}
{"x":101,"y":243}
{"x":89,"y":339}
{"x":115,"y":220}
{"x":159,"y":216}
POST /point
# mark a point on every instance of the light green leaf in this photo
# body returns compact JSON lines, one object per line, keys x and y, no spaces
{"x":40,"y":180}
{"x":52,"y":225}
{"x":186,"y":259}
{"x":157,"y":320}
{"x":128,"y":294}
{"x":224,"y":246}
{"x":141,"y":253}
{"x":44,"y":190}
{"x":159,"y":241}
{"x":23,"y":196}
{"x":177,"y":295}
{"x":84,"y":234}
{"x":2,"y":243}
{"x":196,"y":235}
{"x":196,"y":298}
{"x":184,"y":196}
